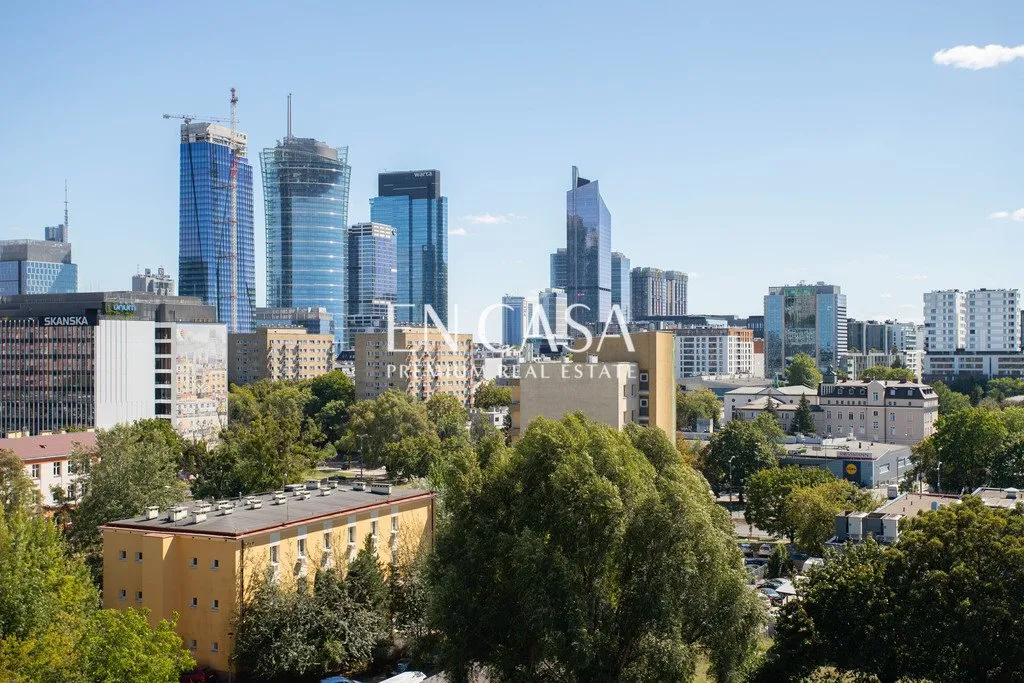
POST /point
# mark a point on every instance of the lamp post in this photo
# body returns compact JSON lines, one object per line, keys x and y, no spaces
{"x":938,"y":477}
{"x":731,"y":458}
{"x":362,"y":437}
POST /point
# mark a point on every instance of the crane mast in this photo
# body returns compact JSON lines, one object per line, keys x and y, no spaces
{"x":233,"y":218}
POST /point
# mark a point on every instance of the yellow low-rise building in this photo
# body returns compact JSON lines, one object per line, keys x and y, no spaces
{"x":202,"y":560}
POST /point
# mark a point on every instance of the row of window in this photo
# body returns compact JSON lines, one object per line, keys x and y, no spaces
{"x":34,"y":469}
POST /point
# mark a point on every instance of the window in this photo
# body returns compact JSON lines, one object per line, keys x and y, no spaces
{"x":352,"y":535}
{"x":373,"y":529}
{"x":72,"y":467}
{"x":828,"y":414}
{"x":643,"y":403}
{"x":394,"y":524}
{"x":215,"y":646}
{"x":215,"y":605}
{"x":302,"y":547}
{"x":56,"y":469}
{"x":194,"y":602}
{"x":874,"y":425}
{"x":862,"y":415}
{"x":327,"y":540}
{"x":193,"y":563}
{"x":874,"y":396}
{"x":215,"y":565}
{"x":122,"y":554}
{"x":71,"y":491}
{"x":35,"y":471}
{"x":138,"y":557}
{"x":851,"y":417}
{"x":138,"y":596}
{"x":273,"y":554}
{"x":192,"y":645}
{"x":122,"y":594}
{"x":892,"y":416}
{"x":828,"y":428}
{"x":875,"y":413}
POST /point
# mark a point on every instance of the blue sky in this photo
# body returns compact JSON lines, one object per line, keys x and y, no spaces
{"x":749,"y":144}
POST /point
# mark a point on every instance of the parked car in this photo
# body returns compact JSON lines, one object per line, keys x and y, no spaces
{"x":765,"y":550}
{"x":774,"y":583}
{"x":200,"y":675}
{"x":338,"y":679}
{"x":756,"y":561}
{"x":747,"y":549}
{"x":406,"y":677}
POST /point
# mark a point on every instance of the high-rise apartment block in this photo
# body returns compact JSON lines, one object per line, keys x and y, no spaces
{"x":722,"y":352}
{"x":588,"y":253}
{"x":657,"y":293}
{"x":412,"y":204}
{"x":420,"y":361}
{"x":372,"y":272}
{"x":977,"y":332}
{"x":216,"y":260}
{"x":38,"y":266}
{"x":621,"y":292}
{"x":305,"y":191}
{"x":278,"y":353}
{"x":559,"y":275}
{"x":154,"y":283}
{"x":808,"y":319}
{"x":906,"y":336}
{"x":103,"y":358}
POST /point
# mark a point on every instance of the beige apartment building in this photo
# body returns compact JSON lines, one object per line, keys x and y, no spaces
{"x":605,"y":392}
{"x":419,"y":361}
{"x":881,"y":411}
{"x":278,"y":353}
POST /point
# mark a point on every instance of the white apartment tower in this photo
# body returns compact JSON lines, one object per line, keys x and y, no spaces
{"x":945,"y":321}
{"x":979,"y":320}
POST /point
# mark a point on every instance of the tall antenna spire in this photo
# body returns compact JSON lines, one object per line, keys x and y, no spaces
{"x":289,"y":116}
{"x":67,"y":223}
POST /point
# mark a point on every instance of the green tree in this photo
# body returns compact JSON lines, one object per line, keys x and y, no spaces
{"x":803,"y":418}
{"x":1008,"y":463}
{"x":966,"y":443}
{"x":17,"y":492}
{"x":1005,"y":387}
{"x":937,"y":606}
{"x":123,"y":647}
{"x":950,"y":401}
{"x":699,"y":404}
{"x":389,"y":418}
{"x":780,"y":564}
{"x":803,"y":370}
{"x":812,"y":510}
{"x":738,"y":450}
{"x":574,"y":565}
{"x":489,"y":396}
{"x":365,"y":582}
{"x":447,"y":414}
{"x":133,"y":466}
{"x":767,"y":495}
{"x":328,"y":388}
{"x":881,"y":372}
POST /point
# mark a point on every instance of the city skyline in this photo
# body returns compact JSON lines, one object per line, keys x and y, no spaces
{"x":772,"y":147}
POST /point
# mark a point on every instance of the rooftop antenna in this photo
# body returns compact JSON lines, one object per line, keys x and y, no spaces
{"x":67,"y":236}
{"x":289,"y":116}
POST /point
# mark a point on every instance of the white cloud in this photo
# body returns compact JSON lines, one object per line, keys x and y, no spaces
{"x":974,"y":57}
{"x":491,"y":218}
{"x":887,"y":296}
{"x":458,"y":232}
{"x":1017,"y":215}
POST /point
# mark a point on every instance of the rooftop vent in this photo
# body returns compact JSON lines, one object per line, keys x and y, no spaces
{"x":312,"y":484}
{"x":1011,"y":493}
{"x":359,"y":486}
{"x":289,"y":488}
{"x":279,"y":498}
{"x":226,"y":507}
{"x":381,"y":487}
{"x":326,"y":490}
{"x":199,"y":516}
{"x":176,"y":513}
{"x":152,"y":512}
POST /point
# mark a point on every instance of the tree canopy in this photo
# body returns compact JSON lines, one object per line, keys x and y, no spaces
{"x":749,"y":446}
{"x":17,"y":492}
{"x":803,"y":370}
{"x":767,"y":496}
{"x":699,"y":404}
{"x":950,"y":401}
{"x":812,"y":511}
{"x":941,"y":605}
{"x":881,"y":372}
{"x":803,"y":418}
{"x":489,"y":396}
{"x":579,"y":558}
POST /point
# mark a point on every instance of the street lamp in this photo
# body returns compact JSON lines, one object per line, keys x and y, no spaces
{"x":938,"y":478}
{"x":730,"y":478}
{"x":362,"y":438}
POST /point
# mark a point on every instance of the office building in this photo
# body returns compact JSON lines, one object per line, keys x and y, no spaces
{"x":868,"y":336}
{"x":714,"y":352}
{"x":278,"y":353}
{"x":154,"y":283}
{"x":588,"y":253}
{"x":516,"y":312}
{"x":47,"y":461}
{"x":412,"y":204}
{"x":608,"y":393}
{"x":658,"y":293}
{"x":192,"y":561}
{"x":878,"y":411}
{"x":554,"y":304}
{"x":420,"y":361}
{"x":216,"y":261}
{"x":737,"y":399}
{"x":372,"y":269}
{"x":808,"y":319}
{"x":315,"y":320}
{"x":977,"y":332}
{"x":865,"y":464}
{"x":621,"y":293}
{"x":102,"y":358}
{"x":559,"y":270}
{"x":854,"y":364}
{"x":305,"y":192}
{"x":38,"y":266}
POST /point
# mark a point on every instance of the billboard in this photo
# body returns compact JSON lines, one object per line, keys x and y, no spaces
{"x":201,"y":380}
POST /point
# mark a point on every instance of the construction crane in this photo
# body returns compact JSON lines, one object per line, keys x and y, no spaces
{"x":189,"y":118}
{"x":236,"y":152}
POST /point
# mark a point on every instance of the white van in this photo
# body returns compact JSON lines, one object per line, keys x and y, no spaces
{"x":406,"y":677}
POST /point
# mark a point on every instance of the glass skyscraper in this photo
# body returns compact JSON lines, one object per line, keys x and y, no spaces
{"x":372,"y":267}
{"x":411,"y":203}
{"x":38,"y":266}
{"x":204,"y":237}
{"x":621,"y":290}
{"x":514,"y":320}
{"x":807,"y":319}
{"x":588,"y":254}
{"x":558,"y":275}
{"x":305,"y":192}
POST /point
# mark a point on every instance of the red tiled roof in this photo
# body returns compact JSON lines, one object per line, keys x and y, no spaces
{"x":49,"y":446}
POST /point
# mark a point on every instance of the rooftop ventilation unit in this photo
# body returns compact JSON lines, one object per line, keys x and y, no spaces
{"x":176,"y":513}
{"x":198,"y":516}
{"x":279,"y":498}
{"x":1011,"y":493}
{"x":326,"y":490}
{"x":152,"y":512}
{"x":381,"y":487}
{"x":359,"y":486}
{"x":226,"y":507}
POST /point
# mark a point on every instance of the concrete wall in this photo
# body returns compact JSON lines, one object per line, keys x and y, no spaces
{"x":124,"y":371}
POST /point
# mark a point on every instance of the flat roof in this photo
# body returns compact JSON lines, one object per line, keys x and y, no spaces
{"x":909,"y":504}
{"x":849,"y":450}
{"x":999,"y":498}
{"x":787,"y":391}
{"x":48,"y":446}
{"x":242,"y":521}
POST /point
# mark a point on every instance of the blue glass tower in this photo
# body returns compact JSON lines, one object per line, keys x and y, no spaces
{"x":411,"y":203}
{"x":588,"y":254}
{"x":305,"y":192}
{"x":372,"y":266}
{"x":514,"y":319}
{"x":204,"y":237}
{"x":621,"y":290}
{"x":807,"y":319}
